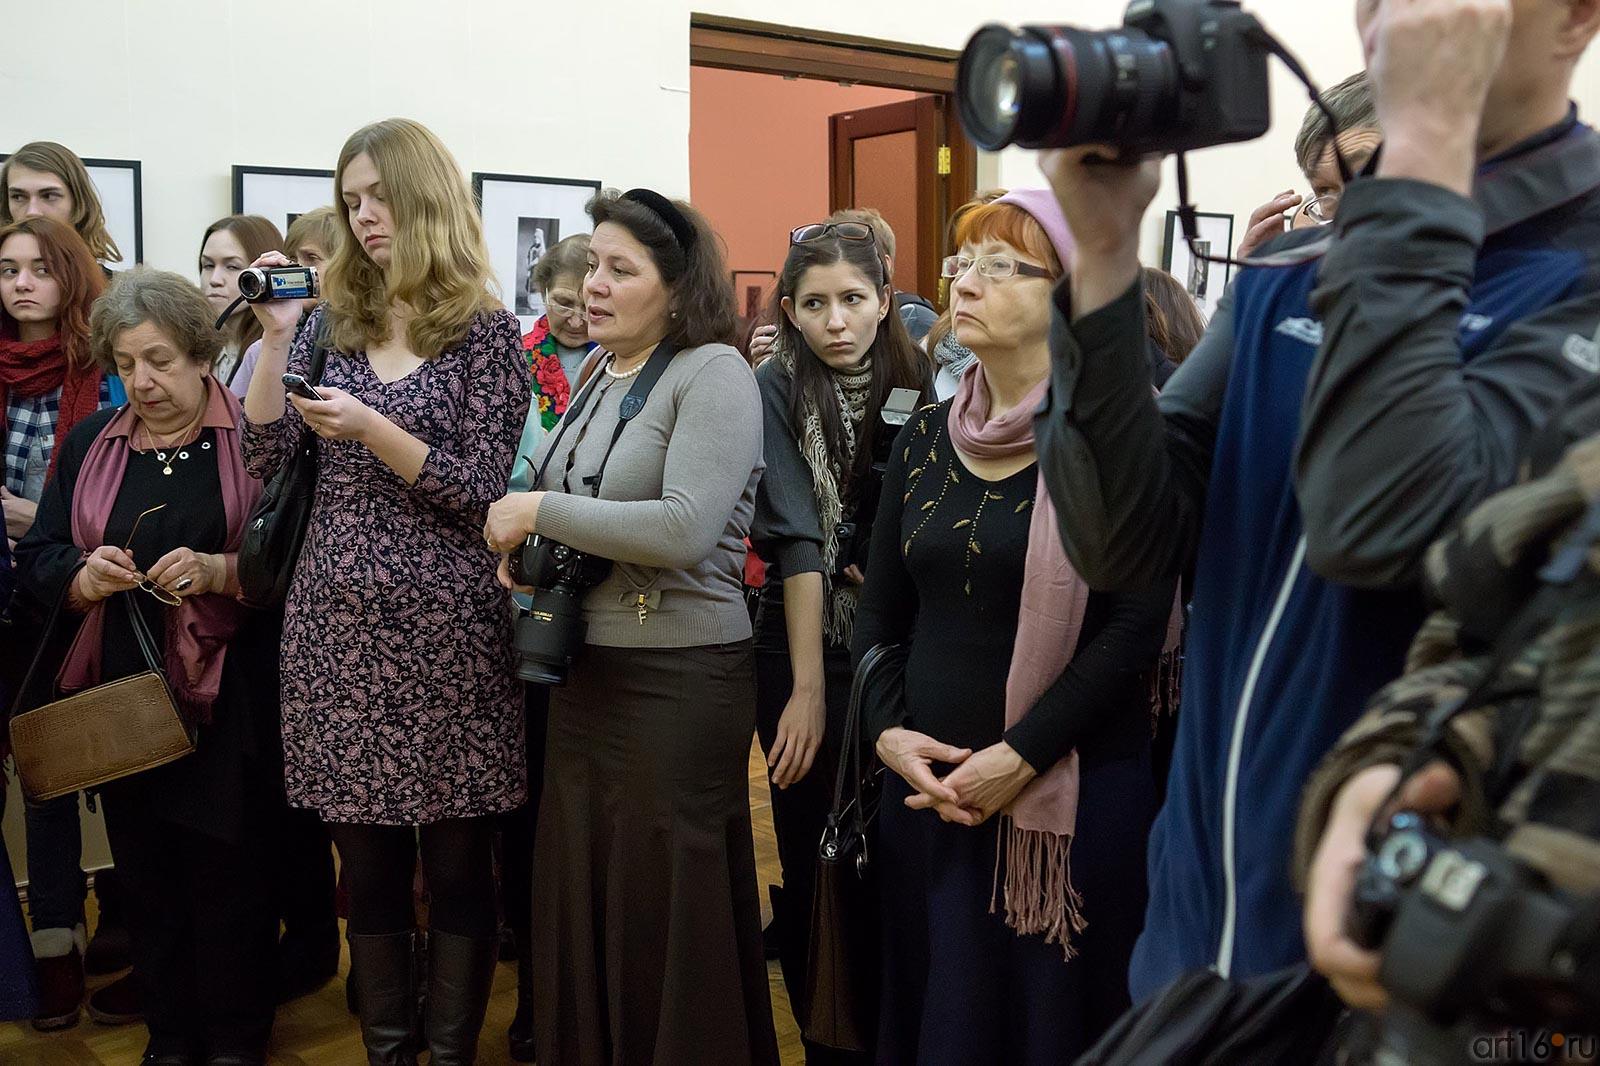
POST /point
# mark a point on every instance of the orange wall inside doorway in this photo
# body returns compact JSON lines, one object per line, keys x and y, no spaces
{"x":758,"y":155}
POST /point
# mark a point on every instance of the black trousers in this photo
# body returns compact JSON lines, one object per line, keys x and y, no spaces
{"x":204,"y":927}
{"x":303,"y":873}
{"x":799,"y":812}
{"x":517,"y":828}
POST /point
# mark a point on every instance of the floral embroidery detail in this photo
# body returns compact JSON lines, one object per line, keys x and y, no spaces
{"x":550,"y":389}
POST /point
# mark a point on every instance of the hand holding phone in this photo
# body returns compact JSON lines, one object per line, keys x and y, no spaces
{"x":300,"y":387}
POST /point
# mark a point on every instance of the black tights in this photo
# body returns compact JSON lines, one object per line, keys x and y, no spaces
{"x":380,"y":863}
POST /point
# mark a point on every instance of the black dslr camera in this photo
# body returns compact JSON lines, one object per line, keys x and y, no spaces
{"x":1176,"y":76}
{"x":1473,"y":942}
{"x":549,"y":635}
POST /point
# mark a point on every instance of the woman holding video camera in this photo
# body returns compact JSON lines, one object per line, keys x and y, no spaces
{"x":647,"y":938}
{"x":401,"y":715}
{"x":839,"y":353}
{"x":1011,"y":833}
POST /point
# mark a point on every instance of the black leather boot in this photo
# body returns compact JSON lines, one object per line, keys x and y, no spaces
{"x":521,"y":1032}
{"x":384,"y":979}
{"x":460,"y":978}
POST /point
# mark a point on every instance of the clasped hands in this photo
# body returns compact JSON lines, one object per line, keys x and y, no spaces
{"x":982,"y":784}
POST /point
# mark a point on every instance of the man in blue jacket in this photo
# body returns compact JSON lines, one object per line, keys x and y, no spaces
{"x":1354,"y":396}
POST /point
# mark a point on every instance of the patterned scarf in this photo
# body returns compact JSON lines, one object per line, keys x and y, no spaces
{"x":551,"y":390}
{"x":853,"y":391}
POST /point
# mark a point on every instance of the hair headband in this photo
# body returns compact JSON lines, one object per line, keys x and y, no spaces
{"x":663,"y":209}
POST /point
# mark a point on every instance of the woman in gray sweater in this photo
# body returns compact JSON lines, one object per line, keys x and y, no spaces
{"x":647,"y":938}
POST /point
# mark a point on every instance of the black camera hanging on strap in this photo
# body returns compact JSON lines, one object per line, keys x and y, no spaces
{"x":547,"y":637}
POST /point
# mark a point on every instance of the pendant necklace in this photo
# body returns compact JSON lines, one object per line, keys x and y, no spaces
{"x":167,"y":454}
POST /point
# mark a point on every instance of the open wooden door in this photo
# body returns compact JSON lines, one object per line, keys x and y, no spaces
{"x":901,"y":159}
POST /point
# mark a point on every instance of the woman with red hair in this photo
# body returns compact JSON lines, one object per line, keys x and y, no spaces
{"x":48,"y":383}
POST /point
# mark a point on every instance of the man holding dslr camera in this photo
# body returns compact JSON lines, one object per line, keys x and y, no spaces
{"x":1349,"y":403}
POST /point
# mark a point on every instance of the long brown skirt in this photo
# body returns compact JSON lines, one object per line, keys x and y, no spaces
{"x":647,"y":925}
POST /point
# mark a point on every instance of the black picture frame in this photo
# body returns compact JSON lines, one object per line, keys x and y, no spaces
{"x":1207,"y":288}
{"x":743,"y":281}
{"x":114,"y":220}
{"x":288,"y":202}
{"x":524,"y":215}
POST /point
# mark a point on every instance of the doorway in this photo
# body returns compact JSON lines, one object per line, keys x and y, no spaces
{"x":829,"y":121}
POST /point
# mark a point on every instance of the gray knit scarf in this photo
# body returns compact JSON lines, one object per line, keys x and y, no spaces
{"x":853,"y":390}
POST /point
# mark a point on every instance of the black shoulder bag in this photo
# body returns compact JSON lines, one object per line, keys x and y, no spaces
{"x":277,"y":529}
{"x":841,"y":994}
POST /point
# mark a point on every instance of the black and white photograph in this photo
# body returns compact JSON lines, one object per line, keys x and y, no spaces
{"x":1205,"y":280}
{"x":535,"y":237}
{"x":119,"y":184}
{"x":280,"y":194}
{"x":523,"y":218}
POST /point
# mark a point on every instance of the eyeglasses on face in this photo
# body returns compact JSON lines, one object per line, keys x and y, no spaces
{"x":564,"y":309}
{"x":993,"y":267}
{"x":816,"y":231}
{"x":1320,"y":209}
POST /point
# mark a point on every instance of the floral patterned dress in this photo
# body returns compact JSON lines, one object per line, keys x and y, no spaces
{"x":400,"y":705}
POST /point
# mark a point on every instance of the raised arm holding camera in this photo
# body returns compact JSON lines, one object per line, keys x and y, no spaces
{"x":1425,"y":331}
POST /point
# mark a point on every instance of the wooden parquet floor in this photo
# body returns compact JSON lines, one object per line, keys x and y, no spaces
{"x":316,"y":1030}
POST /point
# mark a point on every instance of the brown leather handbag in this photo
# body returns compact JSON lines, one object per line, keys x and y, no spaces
{"x":841,"y":989}
{"x":100,"y":734}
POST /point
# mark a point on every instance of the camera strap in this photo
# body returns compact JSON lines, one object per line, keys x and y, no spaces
{"x":632,"y":404}
{"x":1560,"y":587}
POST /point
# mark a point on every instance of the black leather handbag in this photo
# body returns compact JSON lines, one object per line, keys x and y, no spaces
{"x":277,"y":528}
{"x":841,"y":994}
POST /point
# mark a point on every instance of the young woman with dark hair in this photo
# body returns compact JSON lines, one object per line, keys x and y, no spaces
{"x":647,"y":926}
{"x":229,"y":246}
{"x":839,"y":353}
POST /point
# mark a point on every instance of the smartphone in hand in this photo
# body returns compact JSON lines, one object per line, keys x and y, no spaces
{"x":300,"y":387}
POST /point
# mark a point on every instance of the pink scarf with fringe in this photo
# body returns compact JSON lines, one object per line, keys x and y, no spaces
{"x":198,"y":631}
{"x":1037,"y":829}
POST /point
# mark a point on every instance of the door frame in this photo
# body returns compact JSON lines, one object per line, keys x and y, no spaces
{"x":793,"y":52}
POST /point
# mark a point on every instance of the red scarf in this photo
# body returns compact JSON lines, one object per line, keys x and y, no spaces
{"x":198,"y":631}
{"x":38,"y":367}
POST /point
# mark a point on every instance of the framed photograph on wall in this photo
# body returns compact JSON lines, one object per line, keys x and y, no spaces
{"x":280,"y":194}
{"x":751,"y":291}
{"x":523,"y":218}
{"x":120,"y":186}
{"x":1204,"y":280}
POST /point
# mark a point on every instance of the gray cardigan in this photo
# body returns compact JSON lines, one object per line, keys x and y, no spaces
{"x":674,"y":506}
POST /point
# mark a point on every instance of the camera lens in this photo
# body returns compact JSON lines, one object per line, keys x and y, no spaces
{"x":1057,"y":86}
{"x":548,"y":637}
{"x":252,"y":284}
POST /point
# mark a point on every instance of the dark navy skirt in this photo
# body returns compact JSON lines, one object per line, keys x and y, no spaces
{"x":960,"y":988}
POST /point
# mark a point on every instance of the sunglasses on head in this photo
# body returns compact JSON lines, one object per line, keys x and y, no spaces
{"x":816,"y":231}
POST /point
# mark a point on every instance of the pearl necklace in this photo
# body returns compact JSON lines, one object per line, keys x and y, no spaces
{"x":626,"y":374}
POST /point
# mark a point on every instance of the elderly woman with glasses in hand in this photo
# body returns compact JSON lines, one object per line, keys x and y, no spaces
{"x":145,"y":512}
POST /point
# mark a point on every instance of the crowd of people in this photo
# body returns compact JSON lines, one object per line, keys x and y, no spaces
{"x":1144,"y":573}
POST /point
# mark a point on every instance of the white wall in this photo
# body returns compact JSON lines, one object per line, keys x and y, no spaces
{"x":191,"y":87}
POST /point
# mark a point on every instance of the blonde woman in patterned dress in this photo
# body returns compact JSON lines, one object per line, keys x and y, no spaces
{"x":402,"y":720}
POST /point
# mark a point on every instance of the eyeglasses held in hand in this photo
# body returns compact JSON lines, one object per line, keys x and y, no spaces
{"x":993,"y":267}
{"x":169,"y":598}
{"x":816,"y":231}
